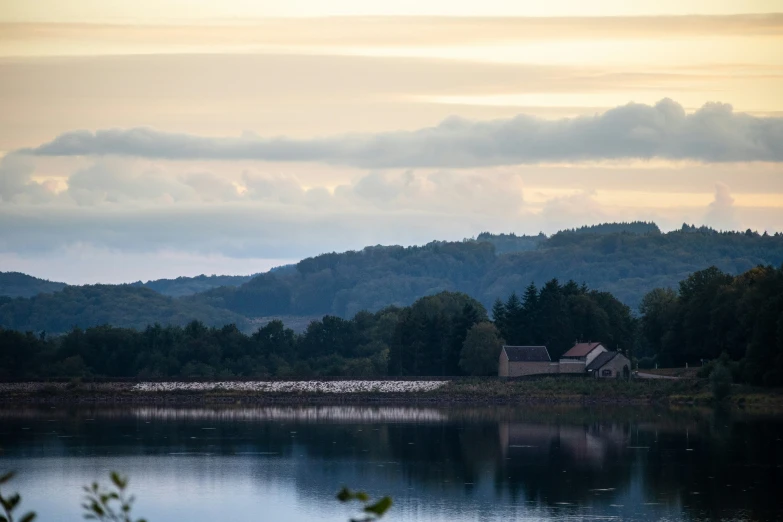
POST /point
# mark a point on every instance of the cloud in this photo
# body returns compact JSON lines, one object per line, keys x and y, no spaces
{"x":714,"y":133}
{"x":16,"y":183}
{"x":439,"y":191}
{"x":721,"y":213}
{"x":111,"y":180}
{"x":572,"y":211}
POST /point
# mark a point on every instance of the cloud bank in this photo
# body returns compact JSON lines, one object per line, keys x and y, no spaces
{"x":714,"y":133}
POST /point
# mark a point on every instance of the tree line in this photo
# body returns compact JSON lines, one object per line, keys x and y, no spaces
{"x":712,"y":316}
{"x":445,"y":334}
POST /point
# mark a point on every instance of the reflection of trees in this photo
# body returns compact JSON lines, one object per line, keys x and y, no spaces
{"x":452,"y":455}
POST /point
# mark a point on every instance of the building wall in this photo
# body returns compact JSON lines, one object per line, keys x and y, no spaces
{"x":598,"y":350}
{"x":503,"y":364}
{"x":572,"y":366}
{"x":519,"y":369}
{"x":614,"y":368}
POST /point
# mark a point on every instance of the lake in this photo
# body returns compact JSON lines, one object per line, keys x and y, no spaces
{"x":285,"y":463}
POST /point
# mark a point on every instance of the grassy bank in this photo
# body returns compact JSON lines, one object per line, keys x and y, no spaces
{"x":544,"y":390}
{"x":556,"y":389}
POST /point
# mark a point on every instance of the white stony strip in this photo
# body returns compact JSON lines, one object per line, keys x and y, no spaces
{"x":317,"y":414}
{"x":294,"y":386}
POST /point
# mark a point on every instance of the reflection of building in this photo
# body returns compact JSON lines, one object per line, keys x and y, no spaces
{"x":582,"y":443}
{"x":517,"y":361}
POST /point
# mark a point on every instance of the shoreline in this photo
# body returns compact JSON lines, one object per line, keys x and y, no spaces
{"x":206,"y":399}
{"x":478,"y":392}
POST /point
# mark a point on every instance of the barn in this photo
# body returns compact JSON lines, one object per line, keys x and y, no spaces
{"x":517,"y":361}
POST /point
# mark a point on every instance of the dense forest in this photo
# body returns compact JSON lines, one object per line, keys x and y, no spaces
{"x":712,"y":319}
{"x":625,"y":259}
{"x":627,"y":264}
{"x":713,"y":316}
{"x":16,"y":284}
{"x":182,"y":286}
{"x":426,"y":338}
{"x":122,"y":305}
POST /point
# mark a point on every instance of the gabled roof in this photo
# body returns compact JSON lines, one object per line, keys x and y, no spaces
{"x":601,"y":360}
{"x":581,"y":349}
{"x":527,"y":353}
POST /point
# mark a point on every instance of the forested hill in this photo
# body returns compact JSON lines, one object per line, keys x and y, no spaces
{"x":182,"y":286}
{"x":628,"y":264}
{"x":626,"y":259}
{"x":91,"y":305}
{"x":16,"y":284}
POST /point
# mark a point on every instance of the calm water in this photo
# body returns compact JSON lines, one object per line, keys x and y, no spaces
{"x":286,"y":463}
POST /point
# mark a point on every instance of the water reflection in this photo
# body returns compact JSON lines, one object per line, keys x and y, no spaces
{"x":500,"y":463}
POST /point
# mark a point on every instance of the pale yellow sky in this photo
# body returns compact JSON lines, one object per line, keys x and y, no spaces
{"x":305,"y":70}
{"x":155,"y":10}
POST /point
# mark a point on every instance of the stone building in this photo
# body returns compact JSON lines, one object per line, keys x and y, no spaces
{"x":592,"y":359}
{"x":580,"y":356}
{"x":610,"y":365}
{"x":517,"y":361}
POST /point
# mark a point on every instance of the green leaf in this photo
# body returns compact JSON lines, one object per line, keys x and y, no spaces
{"x":5,"y":478}
{"x":361,"y":495}
{"x":118,"y":480}
{"x":3,"y":519}
{"x":12,"y":502}
{"x":380,"y":507}
{"x":344,"y":495}
{"x":28,"y":517}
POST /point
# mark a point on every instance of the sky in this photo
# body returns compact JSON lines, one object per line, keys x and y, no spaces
{"x":160,"y":138}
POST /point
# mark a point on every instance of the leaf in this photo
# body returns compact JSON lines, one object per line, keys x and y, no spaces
{"x":361,"y":495}
{"x":344,"y":495}
{"x":118,"y":480}
{"x":5,"y":478}
{"x":380,"y":507}
{"x":3,"y":519}
{"x":28,"y":517}
{"x":11,"y":503}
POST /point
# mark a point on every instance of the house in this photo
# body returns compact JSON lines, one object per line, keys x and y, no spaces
{"x":610,"y":365}
{"x":516,"y":361}
{"x":591,"y":359}
{"x":580,"y":356}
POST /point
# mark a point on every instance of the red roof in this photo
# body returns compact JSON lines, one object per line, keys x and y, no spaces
{"x":581,"y":349}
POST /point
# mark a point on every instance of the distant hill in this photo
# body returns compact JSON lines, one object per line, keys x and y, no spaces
{"x":639,"y":228}
{"x":182,"y":286}
{"x":626,"y":259}
{"x":508,"y":243}
{"x":17,"y":284}
{"x":118,"y":305}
